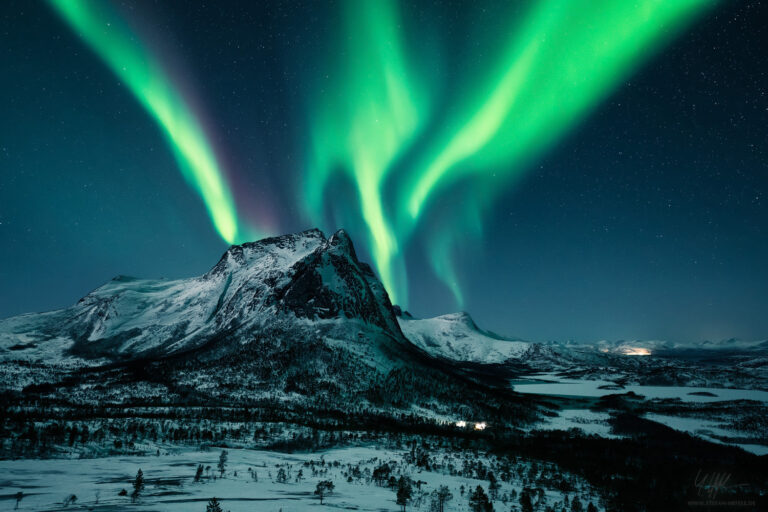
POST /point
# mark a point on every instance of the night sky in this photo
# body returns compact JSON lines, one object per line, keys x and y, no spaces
{"x":624,"y":202}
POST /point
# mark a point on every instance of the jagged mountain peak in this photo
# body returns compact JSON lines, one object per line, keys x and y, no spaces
{"x":283,"y":250}
{"x":288,"y":282}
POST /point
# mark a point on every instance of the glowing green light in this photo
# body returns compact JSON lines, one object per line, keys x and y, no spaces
{"x":366,"y":114}
{"x":439,"y":253}
{"x":562,"y":59}
{"x":112,"y":40}
{"x":566,"y":57}
{"x":370,"y":109}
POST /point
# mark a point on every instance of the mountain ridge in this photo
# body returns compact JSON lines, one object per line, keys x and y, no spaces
{"x":303,"y":276}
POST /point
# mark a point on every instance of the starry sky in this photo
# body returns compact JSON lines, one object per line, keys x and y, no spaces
{"x":516,"y":160}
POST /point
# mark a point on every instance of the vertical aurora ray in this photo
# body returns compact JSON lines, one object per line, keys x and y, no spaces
{"x":367,"y":113}
{"x":563,"y":60}
{"x":112,"y":40}
{"x":440,"y":257}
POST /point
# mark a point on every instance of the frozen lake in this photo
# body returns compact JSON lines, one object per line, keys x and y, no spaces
{"x":548,"y":384}
{"x":710,"y":430}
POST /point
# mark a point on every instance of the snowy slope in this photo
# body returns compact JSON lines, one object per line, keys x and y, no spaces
{"x":456,"y":336}
{"x":301,"y":282}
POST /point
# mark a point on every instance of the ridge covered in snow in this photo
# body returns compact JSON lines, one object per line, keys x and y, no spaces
{"x":456,"y":337}
{"x":300,"y":281}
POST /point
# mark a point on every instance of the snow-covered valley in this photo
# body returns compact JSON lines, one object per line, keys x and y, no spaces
{"x":270,"y":481}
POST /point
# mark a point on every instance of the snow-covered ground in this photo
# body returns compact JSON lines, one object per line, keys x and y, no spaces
{"x":589,"y":422}
{"x":553,"y":385}
{"x":249,"y":483}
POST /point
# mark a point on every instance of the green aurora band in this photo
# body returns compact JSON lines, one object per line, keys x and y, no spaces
{"x":361,"y":122}
{"x":562,"y":59}
{"x":112,"y":40}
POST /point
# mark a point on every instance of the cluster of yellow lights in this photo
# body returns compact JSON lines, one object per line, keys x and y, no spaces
{"x":635,"y":351}
{"x":477,"y":426}
{"x":629,"y":351}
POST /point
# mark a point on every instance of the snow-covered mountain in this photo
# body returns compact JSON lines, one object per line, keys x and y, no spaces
{"x":290,"y":323}
{"x":456,"y":337}
{"x":300,"y":282}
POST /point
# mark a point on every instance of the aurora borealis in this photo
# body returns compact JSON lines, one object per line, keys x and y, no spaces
{"x":562,"y":59}
{"x":423,"y":128}
{"x":124,"y":53}
{"x":364,"y":119}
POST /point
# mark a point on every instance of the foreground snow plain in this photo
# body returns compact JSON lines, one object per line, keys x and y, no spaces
{"x":170,"y":482}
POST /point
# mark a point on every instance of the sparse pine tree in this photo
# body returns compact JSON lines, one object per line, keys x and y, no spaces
{"x":576,"y":505}
{"x":222,"y":465}
{"x":479,"y":502}
{"x":213,"y":506}
{"x":493,"y":486}
{"x":199,"y":473}
{"x":381,"y":474}
{"x":404,"y":492}
{"x":138,"y":485}
{"x":591,"y":507}
{"x":526,"y":504}
{"x":442,"y":496}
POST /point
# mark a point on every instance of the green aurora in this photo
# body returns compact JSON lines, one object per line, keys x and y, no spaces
{"x":362,"y":120}
{"x":562,"y":59}
{"x":112,"y":40}
{"x":374,"y":104}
